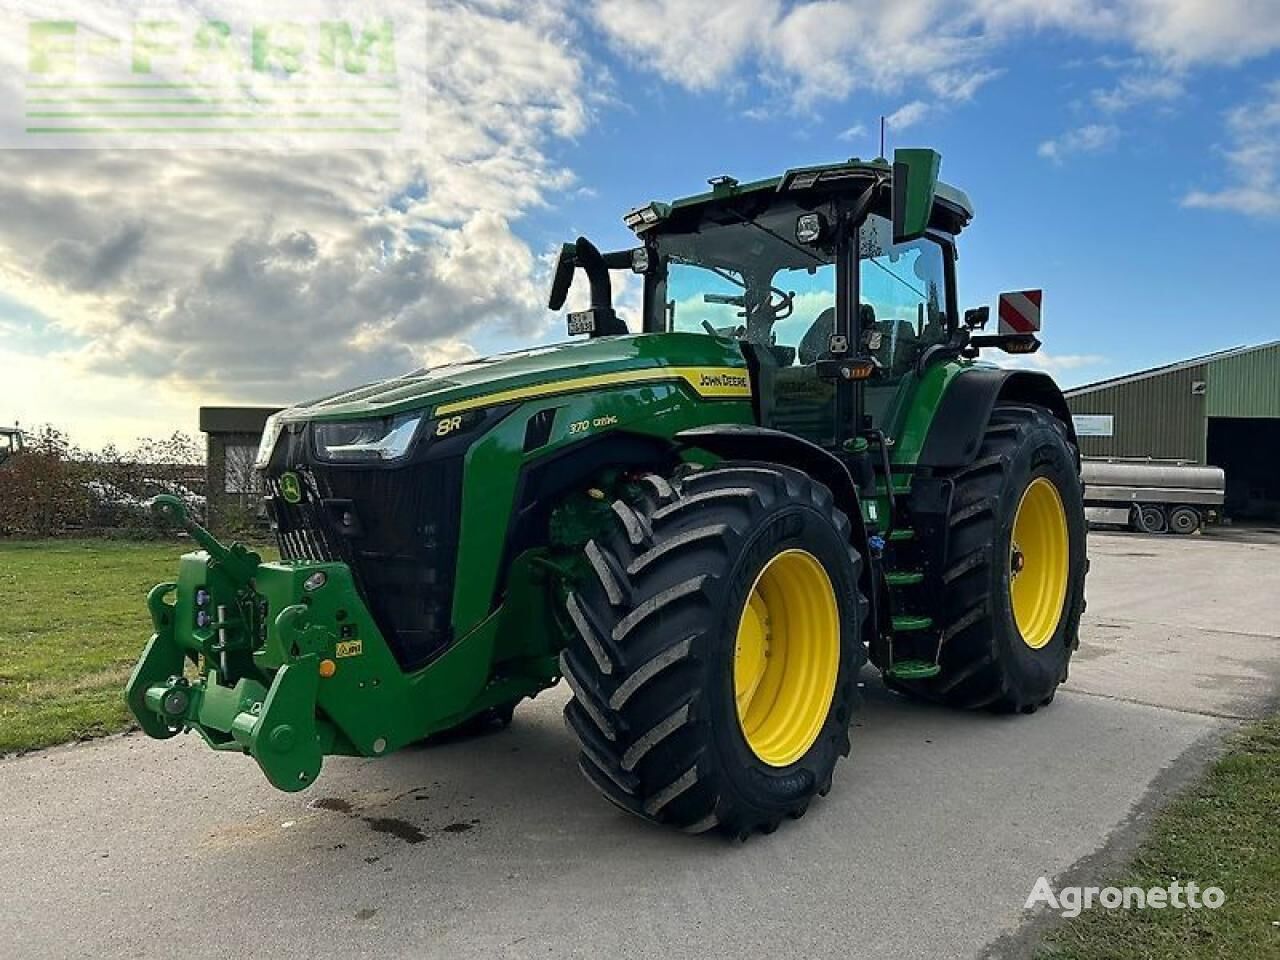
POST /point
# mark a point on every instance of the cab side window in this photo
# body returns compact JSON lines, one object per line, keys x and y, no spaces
{"x":904,"y":304}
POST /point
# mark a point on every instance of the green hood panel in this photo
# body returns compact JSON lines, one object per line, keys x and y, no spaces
{"x":506,"y":376}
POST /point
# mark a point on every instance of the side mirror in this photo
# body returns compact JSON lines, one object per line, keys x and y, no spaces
{"x":976,"y":318}
{"x":915,"y":181}
{"x":566,"y":263}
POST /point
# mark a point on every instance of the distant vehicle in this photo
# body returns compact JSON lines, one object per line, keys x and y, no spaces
{"x":1153,"y":496}
{"x":10,"y":442}
{"x":111,"y":497}
{"x":195,"y":502}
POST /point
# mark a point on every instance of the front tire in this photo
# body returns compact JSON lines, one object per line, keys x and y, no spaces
{"x":714,"y":673}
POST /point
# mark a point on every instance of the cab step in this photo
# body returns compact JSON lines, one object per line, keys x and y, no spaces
{"x":898,"y":534}
{"x":913,"y":670}
{"x":908,"y":623}
{"x":904,"y":578}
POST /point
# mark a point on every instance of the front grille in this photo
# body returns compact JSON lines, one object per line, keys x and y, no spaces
{"x":397,"y":528}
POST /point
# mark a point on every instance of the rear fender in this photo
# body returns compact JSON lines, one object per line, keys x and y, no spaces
{"x":960,"y":421}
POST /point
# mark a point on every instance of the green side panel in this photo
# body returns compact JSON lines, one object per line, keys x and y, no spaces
{"x":542,"y":366}
{"x":1245,"y":385}
{"x":917,"y":402}
{"x":494,"y":463}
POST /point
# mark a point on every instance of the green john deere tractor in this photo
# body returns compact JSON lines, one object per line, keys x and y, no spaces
{"x":706,"y":527}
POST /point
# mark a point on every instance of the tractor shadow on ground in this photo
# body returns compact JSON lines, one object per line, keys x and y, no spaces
{"x":521,"y":784}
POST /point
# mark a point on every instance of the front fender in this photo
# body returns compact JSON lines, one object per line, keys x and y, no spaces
{"x":733,"y":441}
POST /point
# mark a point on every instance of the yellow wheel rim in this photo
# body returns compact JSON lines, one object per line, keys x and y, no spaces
{"x":786,"y":657}
{"x":1039,"y":558}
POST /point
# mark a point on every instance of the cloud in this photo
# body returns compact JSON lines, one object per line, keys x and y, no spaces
{"x":695,"y":45}
{"x":856,"y":132}
{"x":809,"y":51}
{"x":907,"y":115}
{"x":1091,"y":138}
{"x":960,"y":85}
{"x":76,"y":265}
{"x":1253,"y":160}
{"x":1189,"y":32}
{"x":1178,"y":32}
{"x":826,"y":49}
{"x":1057,"y":364}
{"x":1143,"y":85}
{"x":273,"y":275}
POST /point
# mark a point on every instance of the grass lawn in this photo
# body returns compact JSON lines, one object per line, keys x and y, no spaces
{"x":1224,"y":832}
{"x":73,"y":619}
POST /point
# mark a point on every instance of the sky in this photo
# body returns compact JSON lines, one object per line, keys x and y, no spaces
{"x":1124,"y":155}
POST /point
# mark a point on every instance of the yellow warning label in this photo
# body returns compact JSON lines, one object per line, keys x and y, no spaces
{"x":349,"y":648}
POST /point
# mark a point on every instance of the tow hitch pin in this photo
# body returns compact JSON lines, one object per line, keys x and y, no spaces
{"x":222,"y":640}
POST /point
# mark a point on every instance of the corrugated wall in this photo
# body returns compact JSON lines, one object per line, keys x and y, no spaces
{"x":1246,"y":385}
{"x":1154,"y":417}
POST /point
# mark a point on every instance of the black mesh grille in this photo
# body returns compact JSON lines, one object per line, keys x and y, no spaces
{"x":398,"y":531}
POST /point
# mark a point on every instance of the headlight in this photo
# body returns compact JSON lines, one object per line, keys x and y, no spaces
{"x":364,"y":440}
{"x":267,"y":445}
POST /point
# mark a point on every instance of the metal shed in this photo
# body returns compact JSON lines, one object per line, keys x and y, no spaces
{"x":1221,"y":409}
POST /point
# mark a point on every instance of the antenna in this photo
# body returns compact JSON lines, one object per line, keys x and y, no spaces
{"x":882,"y":136}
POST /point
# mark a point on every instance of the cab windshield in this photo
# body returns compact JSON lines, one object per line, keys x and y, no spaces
{"x":753,"y":280}
{"x":750,"y":278}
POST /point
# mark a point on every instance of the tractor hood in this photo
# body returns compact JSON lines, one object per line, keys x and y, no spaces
{"x":568,"y":367}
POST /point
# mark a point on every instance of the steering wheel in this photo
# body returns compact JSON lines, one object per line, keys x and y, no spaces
{"x":785,"y":306}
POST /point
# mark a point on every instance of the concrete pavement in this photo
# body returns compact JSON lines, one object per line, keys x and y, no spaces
{"x":937,"y":828}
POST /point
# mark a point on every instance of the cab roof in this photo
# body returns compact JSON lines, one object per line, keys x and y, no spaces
{"x":951,"y":205}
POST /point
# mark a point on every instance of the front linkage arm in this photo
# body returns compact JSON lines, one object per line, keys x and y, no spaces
{"x":249,"y":696}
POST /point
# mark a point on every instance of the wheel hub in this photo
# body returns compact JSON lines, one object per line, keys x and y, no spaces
{"x":1039,"y":562}
{"x":1017,"y":560}
{"x":786,"y":657}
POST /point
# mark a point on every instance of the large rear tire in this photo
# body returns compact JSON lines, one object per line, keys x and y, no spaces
{"x":714,"y":674}
{"x":1014,"y":568}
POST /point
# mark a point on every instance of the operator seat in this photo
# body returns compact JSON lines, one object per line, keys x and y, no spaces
{"x":817,"y":339}
{"x":815,"y":345}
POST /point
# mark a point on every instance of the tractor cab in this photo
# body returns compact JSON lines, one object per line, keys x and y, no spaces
{"x":837,"y":281}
